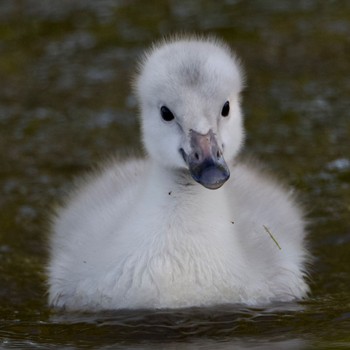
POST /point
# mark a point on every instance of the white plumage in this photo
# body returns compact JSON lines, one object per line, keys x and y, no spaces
{"x":167,"y":231}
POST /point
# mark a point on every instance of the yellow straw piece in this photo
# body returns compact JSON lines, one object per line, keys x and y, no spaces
{"x":272,"y":237}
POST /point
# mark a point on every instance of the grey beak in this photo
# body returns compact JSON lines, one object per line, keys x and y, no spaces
{"x":206,"y":162}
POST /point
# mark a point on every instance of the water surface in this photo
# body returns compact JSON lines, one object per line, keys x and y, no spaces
{"x":66,"y":104}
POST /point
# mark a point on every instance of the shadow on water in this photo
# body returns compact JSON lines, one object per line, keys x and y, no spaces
{"x":225,"y":326}
{"x":166,"y":328}
{"x":65,"y":104}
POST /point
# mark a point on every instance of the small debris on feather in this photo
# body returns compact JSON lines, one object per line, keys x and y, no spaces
{"x":272,"y":237}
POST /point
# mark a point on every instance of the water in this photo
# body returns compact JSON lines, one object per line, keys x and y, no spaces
{"x":65,"y":104}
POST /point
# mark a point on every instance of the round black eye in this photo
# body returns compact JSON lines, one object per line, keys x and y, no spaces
{"x":225,"y":109}
{"x":166,"y":114}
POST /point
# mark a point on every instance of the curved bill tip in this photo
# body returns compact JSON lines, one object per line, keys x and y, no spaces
{"x":211,"y":177}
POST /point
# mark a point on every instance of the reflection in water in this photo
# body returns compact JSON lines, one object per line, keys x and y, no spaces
{"x":65,"y":104}
{"x":231,"y":344}
{"x":196,"y":344}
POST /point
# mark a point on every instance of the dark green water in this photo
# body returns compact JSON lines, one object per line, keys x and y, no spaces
{"x":65,"y":104}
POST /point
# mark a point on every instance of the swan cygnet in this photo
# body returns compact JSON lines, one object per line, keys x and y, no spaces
{"x":190,"y":225}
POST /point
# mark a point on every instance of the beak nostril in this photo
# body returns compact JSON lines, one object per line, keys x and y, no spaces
{"x":196,"y":156}
{"x":218,"y":154}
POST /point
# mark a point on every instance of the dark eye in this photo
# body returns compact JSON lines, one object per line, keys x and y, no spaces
{"x":225,"y":109}
{"x":166,"y":114}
